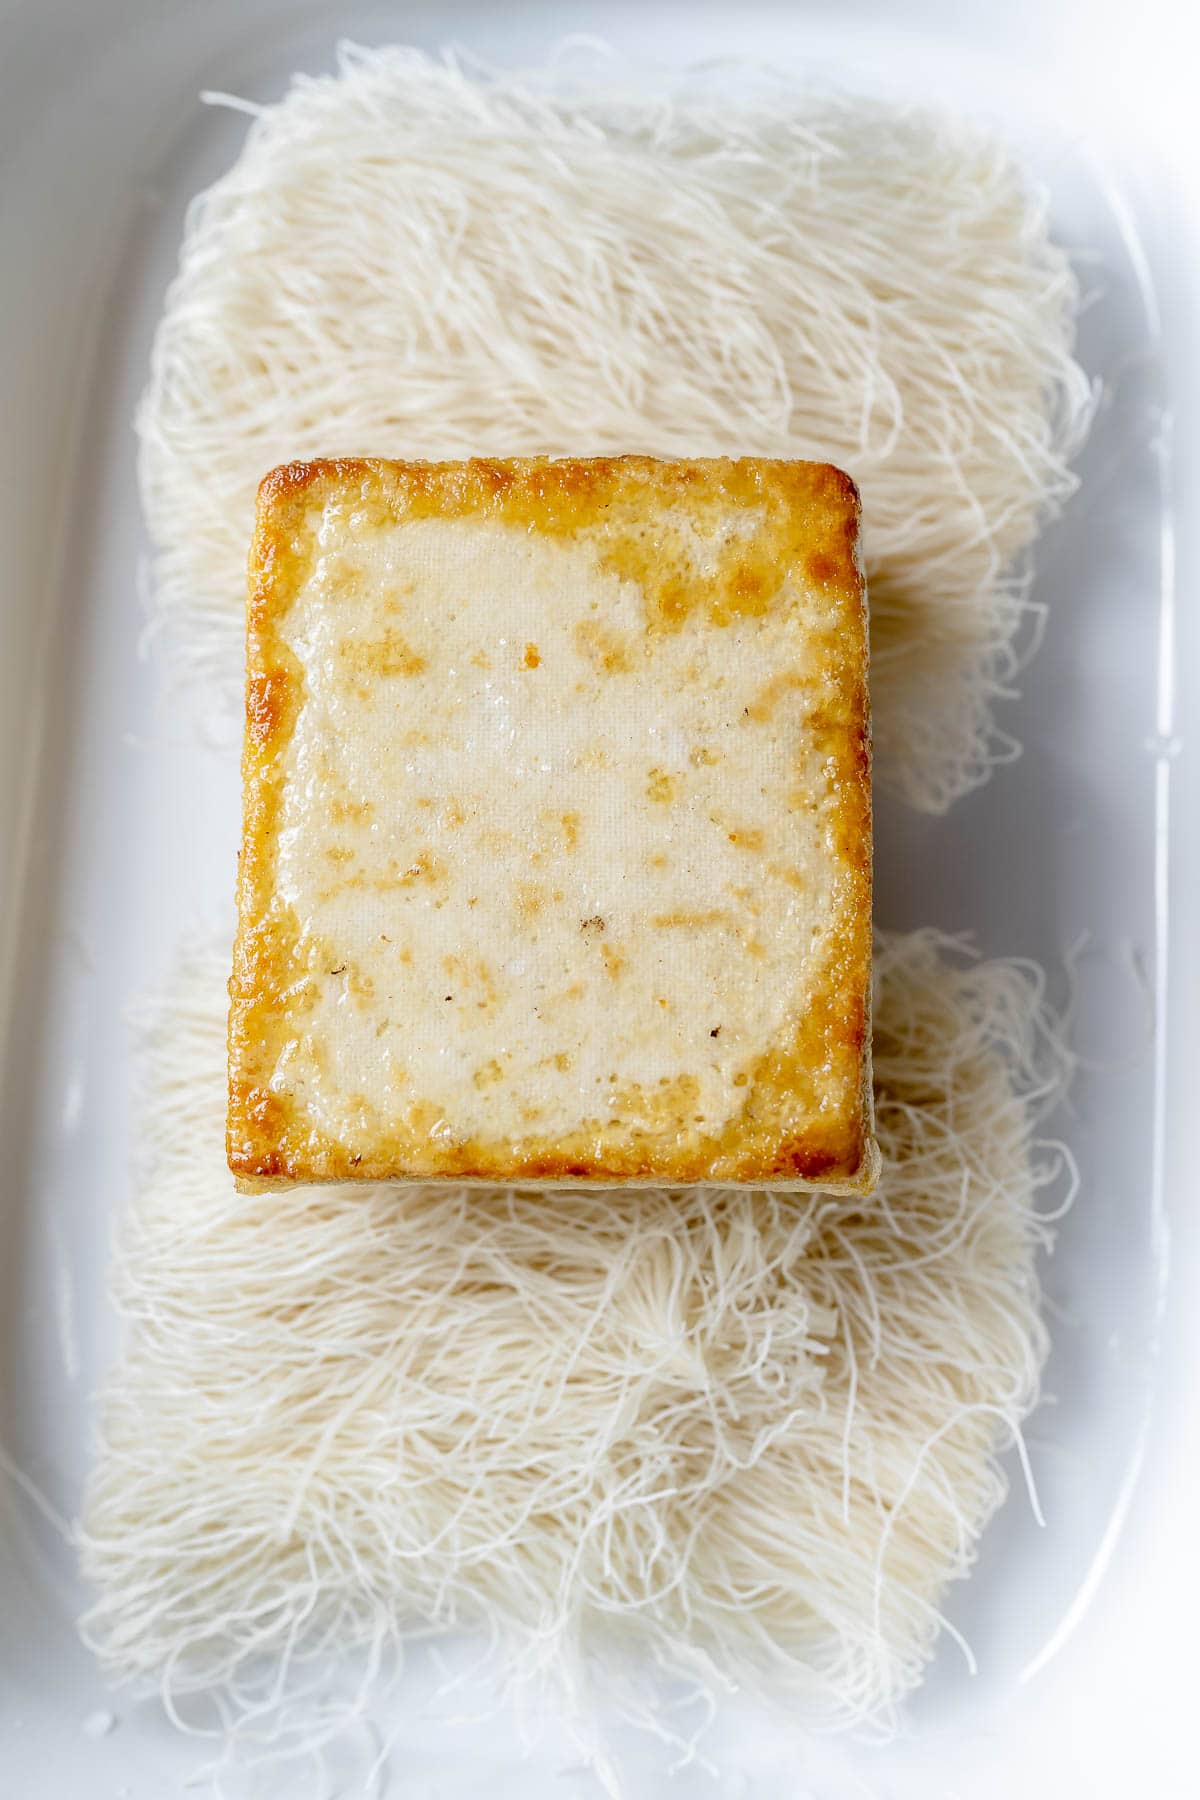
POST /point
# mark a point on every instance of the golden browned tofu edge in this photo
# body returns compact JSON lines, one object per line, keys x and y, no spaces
{"x":270,"y":1142}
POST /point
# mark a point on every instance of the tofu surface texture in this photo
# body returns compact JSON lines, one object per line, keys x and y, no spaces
{"x":556,"y":861}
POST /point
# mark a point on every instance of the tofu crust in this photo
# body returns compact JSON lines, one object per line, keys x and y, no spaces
{"x":804,"y":1115}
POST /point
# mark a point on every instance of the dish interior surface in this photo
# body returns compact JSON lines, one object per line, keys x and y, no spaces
{"x":133,"y":831}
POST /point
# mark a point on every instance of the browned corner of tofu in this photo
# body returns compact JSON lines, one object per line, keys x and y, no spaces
{"x":288,"y":483}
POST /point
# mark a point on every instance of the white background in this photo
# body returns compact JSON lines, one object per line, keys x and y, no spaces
{"x":116,"y":829}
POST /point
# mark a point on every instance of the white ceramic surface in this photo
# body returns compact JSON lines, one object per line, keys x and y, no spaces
{"x":117,"y":825}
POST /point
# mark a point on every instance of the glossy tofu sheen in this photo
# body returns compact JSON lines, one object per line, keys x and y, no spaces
{"x":556,"y":861}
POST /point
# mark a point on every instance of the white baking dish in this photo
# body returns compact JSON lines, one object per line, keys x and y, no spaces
{"x":118,"y":819}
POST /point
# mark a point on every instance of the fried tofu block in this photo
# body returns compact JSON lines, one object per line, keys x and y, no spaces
{"x":556,"y":864}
